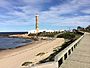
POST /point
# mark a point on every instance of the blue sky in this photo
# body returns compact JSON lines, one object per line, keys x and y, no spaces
{"x":19,"y":15}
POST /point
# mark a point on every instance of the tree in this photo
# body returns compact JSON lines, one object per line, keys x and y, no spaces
{"x":80,"y":28}
{"x":88,"y":28}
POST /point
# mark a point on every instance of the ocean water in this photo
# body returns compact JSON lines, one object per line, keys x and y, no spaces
{"x":7,"y":43}
{"x":3,"y":33}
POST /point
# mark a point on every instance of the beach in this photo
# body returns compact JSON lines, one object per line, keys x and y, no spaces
{"x":14,"y":58}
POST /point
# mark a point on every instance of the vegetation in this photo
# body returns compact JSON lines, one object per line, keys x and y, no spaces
{"x":70,"y":35}
{"x":56,"y":51}
{"x":26,"y":63}
{"x":32,"y":34}
{"x":71,"y":38}
{"x":40,"y":54}
{"x":47,"y":34}
{"x":44,"y":34}
{"x":87,"y":29}
{"x":67,"y":35}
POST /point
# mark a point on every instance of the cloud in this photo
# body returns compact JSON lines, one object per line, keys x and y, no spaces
{"x":87,"y":11}
{"x":4,"y":3}
{"x":53,"y":12}
{"x":67,"y":14}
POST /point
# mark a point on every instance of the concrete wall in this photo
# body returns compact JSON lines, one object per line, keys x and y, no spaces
{"x":46,"y":65}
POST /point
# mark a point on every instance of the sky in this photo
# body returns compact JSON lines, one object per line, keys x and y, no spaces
{"x":19,"y":15}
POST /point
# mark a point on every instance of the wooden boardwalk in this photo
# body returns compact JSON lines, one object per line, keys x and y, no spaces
{"x":80,"y":58}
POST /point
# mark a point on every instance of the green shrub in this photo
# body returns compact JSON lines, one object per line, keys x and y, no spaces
{"x":67,"y":35}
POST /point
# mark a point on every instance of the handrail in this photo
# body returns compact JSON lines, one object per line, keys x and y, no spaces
{"x":63,"y":52}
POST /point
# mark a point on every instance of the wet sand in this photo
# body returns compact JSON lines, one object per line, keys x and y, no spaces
{"x":14,"y":58}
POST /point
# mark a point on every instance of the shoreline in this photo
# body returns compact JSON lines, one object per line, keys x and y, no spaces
{"x":21,"y":43}
{"x":26,"y":44}
{"x":4,"y":52}
{"x":28,"y":53}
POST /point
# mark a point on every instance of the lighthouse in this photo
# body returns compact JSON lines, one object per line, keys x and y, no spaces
{"x":37,"y":21}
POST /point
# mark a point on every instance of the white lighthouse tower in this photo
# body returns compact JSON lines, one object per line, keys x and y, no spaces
{"x":37,"y":21}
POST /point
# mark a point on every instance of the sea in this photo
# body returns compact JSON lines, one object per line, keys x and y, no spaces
{"x":5,"y":33}
{"x":9,"y":43}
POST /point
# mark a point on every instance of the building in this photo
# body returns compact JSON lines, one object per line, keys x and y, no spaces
{"x":37,"y":21}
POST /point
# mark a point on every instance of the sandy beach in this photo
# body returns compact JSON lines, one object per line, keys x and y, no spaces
{"x":14,"y":58}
